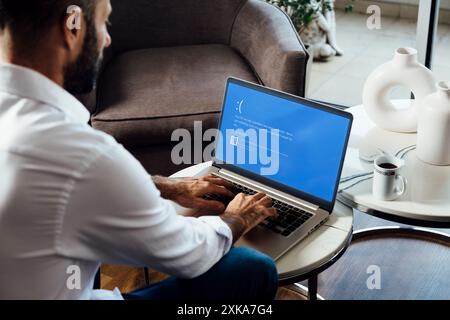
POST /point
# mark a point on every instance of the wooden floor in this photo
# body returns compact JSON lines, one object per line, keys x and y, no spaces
{"x":409,"y":269}
{"x":128,"y":279}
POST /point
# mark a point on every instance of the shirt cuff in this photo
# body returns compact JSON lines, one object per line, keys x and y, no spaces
{"x":221,"y":229}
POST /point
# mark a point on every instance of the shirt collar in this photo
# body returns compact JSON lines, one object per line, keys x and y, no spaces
{"x":27,"y":83}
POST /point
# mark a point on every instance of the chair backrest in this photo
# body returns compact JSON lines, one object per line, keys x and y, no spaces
{"x":139,"y":24}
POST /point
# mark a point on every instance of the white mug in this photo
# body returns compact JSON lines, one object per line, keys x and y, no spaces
{"x":388,"y":184}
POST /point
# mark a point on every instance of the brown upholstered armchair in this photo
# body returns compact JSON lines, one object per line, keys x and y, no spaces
{"x":169,"y":62}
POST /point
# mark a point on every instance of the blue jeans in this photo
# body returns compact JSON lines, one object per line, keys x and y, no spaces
{"x":242,"y":274}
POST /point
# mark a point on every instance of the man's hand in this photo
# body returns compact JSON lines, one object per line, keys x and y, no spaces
{"x":189,"y":192}
{"x":246,"y":212}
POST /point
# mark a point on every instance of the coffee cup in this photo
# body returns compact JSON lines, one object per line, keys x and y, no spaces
{"x":388,"y":184}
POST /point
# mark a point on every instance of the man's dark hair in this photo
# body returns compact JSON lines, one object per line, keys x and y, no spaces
{"x":28,"y":20}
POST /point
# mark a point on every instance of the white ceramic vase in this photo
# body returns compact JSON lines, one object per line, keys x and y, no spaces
{"x":433,"y":138}
{"x":403,"y":70}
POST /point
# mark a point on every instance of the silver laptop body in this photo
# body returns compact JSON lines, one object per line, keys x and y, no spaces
{"x":275,"y":244}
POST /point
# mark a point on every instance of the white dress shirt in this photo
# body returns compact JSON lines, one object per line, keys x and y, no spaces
{"x":71,"y":198}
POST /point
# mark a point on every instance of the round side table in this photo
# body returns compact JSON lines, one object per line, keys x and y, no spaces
{"x":312,"y":255}
{"x":426,"y":202}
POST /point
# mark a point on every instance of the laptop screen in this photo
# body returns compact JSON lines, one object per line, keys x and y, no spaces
{"x":288,"y":140}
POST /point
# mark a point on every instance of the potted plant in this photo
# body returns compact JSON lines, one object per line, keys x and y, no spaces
{"x":316,"y":24}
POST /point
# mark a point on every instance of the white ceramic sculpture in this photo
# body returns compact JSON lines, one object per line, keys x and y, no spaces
{"x":433,"y":138}
{"x":403,"y":70}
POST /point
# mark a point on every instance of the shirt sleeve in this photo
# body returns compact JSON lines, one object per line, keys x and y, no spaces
{"x":115,"y":214}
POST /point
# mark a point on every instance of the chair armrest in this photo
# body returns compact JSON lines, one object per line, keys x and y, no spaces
{"x":88,"y":100}
{"x":265,"y":36}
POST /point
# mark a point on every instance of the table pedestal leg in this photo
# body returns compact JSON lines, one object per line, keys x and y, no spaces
{"x":97,"y":280}
{"x":312,"y":288}
{"x":310,"y":291}
{"x":146,"y":276}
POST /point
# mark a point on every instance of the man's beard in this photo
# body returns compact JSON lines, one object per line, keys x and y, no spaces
{"x":80,"y":77}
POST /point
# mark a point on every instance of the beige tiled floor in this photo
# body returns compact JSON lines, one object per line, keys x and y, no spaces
{"x":341,"y":79}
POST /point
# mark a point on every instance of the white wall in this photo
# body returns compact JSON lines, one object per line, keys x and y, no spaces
{"x":407,"y":9}
{"x":445,"y":4}
{"x":414,"y":2}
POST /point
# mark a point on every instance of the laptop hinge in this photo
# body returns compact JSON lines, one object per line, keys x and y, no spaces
{"x":276,"y":194}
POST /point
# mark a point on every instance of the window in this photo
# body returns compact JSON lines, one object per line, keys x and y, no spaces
{"x":366,"y":45}
{"x":441,"y":51}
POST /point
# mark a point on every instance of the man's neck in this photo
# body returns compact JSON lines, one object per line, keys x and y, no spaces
{"x":42,"y":61}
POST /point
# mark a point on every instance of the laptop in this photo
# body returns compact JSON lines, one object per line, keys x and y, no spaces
{"x":290,"y":148}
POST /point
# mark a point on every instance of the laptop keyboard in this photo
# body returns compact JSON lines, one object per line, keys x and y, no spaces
{"x":289,"y":218}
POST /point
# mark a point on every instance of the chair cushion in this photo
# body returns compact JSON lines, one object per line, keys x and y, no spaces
{"x":144,"y":95}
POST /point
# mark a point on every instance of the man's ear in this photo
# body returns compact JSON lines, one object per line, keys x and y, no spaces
{"x":73,"y":35}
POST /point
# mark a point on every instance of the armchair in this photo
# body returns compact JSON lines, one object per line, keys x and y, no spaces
{"x":168,"y":65}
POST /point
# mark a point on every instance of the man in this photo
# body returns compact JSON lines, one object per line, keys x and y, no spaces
{"x":72,"y":198}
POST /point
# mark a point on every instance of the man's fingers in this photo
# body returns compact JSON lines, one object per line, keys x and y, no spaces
{"x":265,"y":201}
{"x":209,"y":205}
{"x":267,"y":212}
{"x":272,"y":212}
{"x":212,"y":188}
{"x":240,"y":195}
{"x":218,"y":181}
{"x":259,"y":196}
{"x":210,"y":176}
